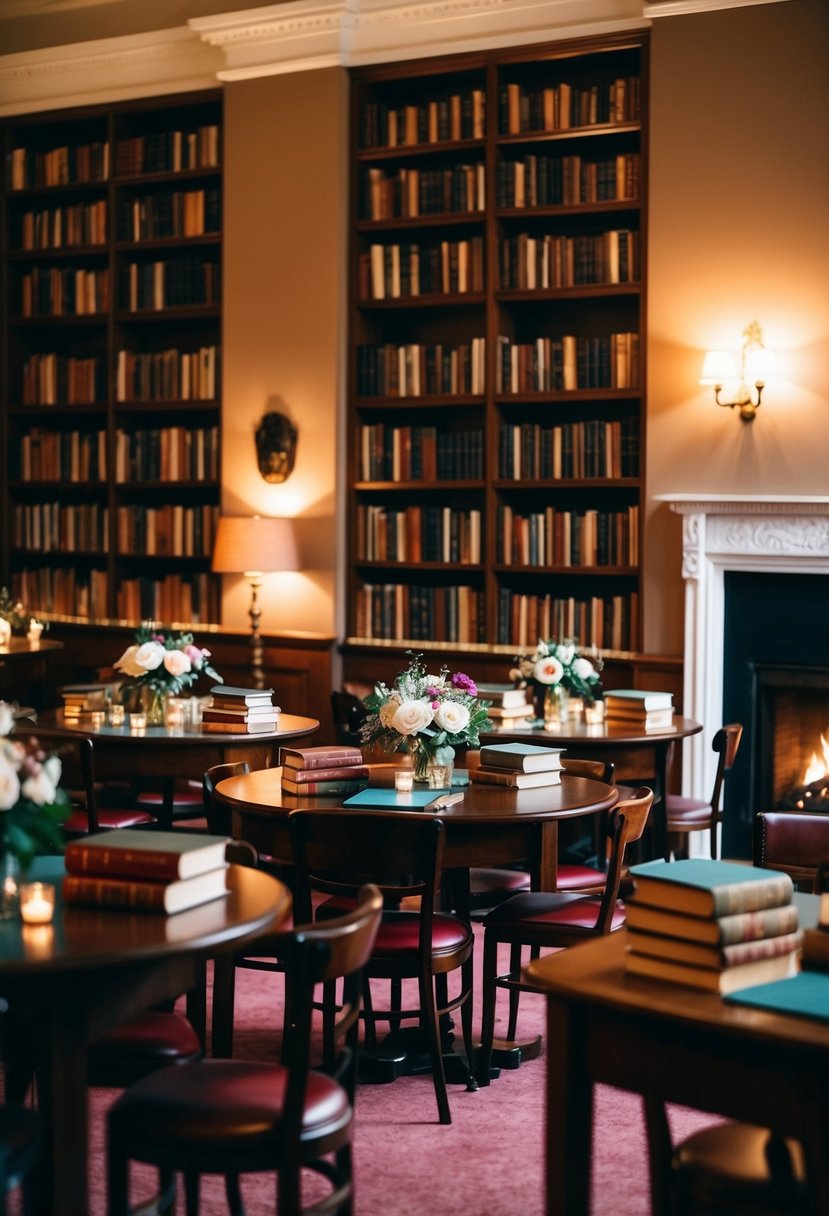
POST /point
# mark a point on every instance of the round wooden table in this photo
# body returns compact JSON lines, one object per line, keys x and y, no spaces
{"x":173,"y":752}
{"x":91,"y":969}
{"x":636,"y":754}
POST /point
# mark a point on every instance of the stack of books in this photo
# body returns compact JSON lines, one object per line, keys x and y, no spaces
{"x":715,"y":925}
{"x":639,"y":708}
{"x":145,"y":871}
{"x":518,"y":765}
{"x":240,"y":711}
{"x":82,"y":699}
{"x":510,"y":708}
{"x":332,"y":769}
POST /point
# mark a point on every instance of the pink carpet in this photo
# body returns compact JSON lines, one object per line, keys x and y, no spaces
{"x":489,"y":1162}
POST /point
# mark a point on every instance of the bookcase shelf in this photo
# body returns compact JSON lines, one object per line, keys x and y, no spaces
{"x":549,"y":197}
{"x":111,"y":387}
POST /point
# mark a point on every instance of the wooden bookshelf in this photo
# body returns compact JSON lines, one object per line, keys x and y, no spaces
{"x":497,"y":374}
{"x":112,"y":382}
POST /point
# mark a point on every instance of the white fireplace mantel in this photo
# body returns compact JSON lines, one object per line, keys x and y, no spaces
{"x":766,"y":533}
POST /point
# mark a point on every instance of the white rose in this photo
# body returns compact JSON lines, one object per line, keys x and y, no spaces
{"x":584,"y":669}
{"x":6,"y":718}
{"x":548,"y":671}
{"x":177,"y":662}
{"x":149,"y":656}
{"x":412,"y":716}
{"x":127,"y":663}
{"x":388,"y":710}
{"x":9,"y":784}
{"x":39,"y":788}
{"x":566,"y":653}
{"x":452,"y":717}
{"x":53,"y":768}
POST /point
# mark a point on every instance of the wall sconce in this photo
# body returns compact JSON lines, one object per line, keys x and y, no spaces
{"x":275,"y":447}
{"x":756,"y":362}
{"x":254,"y":545}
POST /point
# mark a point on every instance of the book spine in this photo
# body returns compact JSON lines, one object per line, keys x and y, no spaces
{"x":766,"y":947}
{"x":324,"y":758}
{"x":325,"y":787}
{"x":129,"y":863}
{"x":750,"y":897}
{"x":301,"y":776}
{"x":114,"y":893}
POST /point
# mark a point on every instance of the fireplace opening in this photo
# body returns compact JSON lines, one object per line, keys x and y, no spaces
{"x":791,"y":756}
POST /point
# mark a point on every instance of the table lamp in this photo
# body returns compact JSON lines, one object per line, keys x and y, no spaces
{"x":254,"y":545}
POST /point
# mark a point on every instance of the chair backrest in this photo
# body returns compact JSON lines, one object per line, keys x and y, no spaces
{"x":596,"y":770}
{"x":625,"y":825}
{"x":794,"y":842}
{"x":326,"y":951}
{"x":349,"y":715}
{"x":725,"y":743}
{"x":77,"y":767}
{"x":337,"y":851}
{"x":218,"y":816}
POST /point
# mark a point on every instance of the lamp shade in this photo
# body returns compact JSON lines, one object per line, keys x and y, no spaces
{"x":718,"y":367}
{"x":254,"y":544}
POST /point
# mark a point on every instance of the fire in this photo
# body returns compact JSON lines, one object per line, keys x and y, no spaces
{"x":818,"y":767}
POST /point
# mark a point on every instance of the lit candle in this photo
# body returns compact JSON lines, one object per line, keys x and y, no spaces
{"x":35,"y":630}
{"x":37,"y":902}
{"x":175,"y":714}
{"x":5,"y":631}
{"x":138,"y":722}
{"x":116,"y":715}
{"x":404,"y":781}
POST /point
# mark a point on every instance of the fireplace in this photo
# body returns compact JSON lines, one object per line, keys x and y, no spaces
{"x":790,"y":762}
{"x":756,"y":600}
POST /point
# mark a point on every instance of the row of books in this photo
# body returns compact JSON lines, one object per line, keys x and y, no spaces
{"x":639,"y":708}
{"x":145,"y":871}
{"x":169,"y":530}
{"x":52,"y":527}
{"x":567,"y":363}
{"x":719,"y":926}
{"x":52,"y":379}
{"x":175,"y":597}
{"x":168,"y":151}
{"x":593,"y":448}
{"x":532,"y":263}
{"x":406,"y":193}
{"x":608,"y":622}
{"x":518,"y":766}
{"x":327,"y":769}
{"x":63,"y":455}
{"x":61,"y":291}
{"x":458,"y":116}
{"x":441,"y":614}
{"x":32,"y":168}
{"x":181,"y":281}
{"x":418,"y":453}
{"x":392,"y":272}
{"x":567,"y":538}
{"x":563,"y":106}
{"x":181,"y":213}
{"x":416,"y":534}
{"x":75,"y":225}
{"x":81,"y":593}
{"x":566,"y":181}
{"x":419,"y":369}
{"x":167,"y":375}
{"x":234,"y":710}
{"x":171,"y":453}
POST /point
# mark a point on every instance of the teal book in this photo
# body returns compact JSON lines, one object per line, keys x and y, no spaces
{"x":384,"y":799}
{"x":806,"y":995}
{"x":701,"y":887}
{"x":522,"y":757}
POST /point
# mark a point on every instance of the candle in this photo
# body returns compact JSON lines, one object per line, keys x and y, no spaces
{"x":35,"y":630}
{"x":175,"y":714}
{"x":5,"y":631}
{"x":138,"y":722}
{"x":37,"y":902}
{"x":116,"y":715}
{"x":404,"y":781}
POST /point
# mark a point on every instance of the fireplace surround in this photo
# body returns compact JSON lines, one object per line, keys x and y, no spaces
{"x":750,"y":536}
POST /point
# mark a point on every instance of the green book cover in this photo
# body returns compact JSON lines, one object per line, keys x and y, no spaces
{"x":385,"y":799}
{"x":806,"y":995}
{"x":702,"y":872}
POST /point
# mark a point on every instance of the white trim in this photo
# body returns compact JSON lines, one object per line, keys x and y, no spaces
{"x":679,"y":8}
{"x":771,"y":534}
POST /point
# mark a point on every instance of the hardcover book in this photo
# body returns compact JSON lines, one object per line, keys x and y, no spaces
{"x":227,"y":693}
{"x":337,"y":772}
{"x":723,"y":930}
{"x":505,"y":695}
{"x":523,"y":757}
{"x":714,"y":979}
{"x":320,"y":757}
{"x":255,"y":726}
{"x":805,"y":995}
{"x":245,"y":713}
{"x":513,"y":779}
{"x":145,"y":895}
{"x":133,"y":853}
{"x":642,"y":699}
{"x":699,"y":954}
{"x":710,"y":888}
{"x":383,"y":799}
{"x":326,"y":786}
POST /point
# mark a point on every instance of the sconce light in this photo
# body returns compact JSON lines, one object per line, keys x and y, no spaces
{"x":275,"y":447}
{"x":254,"y":545}
{"x":756,"y":362}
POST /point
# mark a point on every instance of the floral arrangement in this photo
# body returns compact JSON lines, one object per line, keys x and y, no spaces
{"x":15,"y":613}
{"x":560,"y":663}
{"x":32,"y":804}
{"x":164,"y":662}
{"x":427,"y":715}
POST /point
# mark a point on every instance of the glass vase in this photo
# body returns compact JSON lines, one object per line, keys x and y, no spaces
{"x":9,"y":887}
{"x":556,"y":706}
{"x":156,"y":707}
{"x":433,"y":768}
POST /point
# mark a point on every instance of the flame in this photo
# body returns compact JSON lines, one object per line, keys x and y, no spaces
{"x":818,"y":767}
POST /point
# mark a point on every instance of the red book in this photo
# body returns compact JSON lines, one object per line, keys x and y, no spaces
{"x":131,"y":853}
{"x":352,"y":772}
{"x":331,"y":756}
{"x":145,"y":895}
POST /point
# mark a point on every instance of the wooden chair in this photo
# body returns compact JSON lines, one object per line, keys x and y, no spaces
{"x":230,"y":1117}
{"x":349,"y":714}
{"x":541,"y":919}
{"x":333,"y":852}
{"x":686,"y":815}
{"x":86,"y":816}
{"x":793,"y":841}
{"x":20,"y":1142}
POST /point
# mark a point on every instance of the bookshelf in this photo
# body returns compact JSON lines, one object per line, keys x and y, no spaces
{"x":497,"y":362}
{"x":112,"y":385}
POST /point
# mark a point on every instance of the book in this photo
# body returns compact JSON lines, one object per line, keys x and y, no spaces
{"x":132,"y":853}
{"x":806,"y":995}
{"x":343,"y":772}
{"x":512,"y":779}
{"x":383,"y":799}
{"x":326,"y":786}
{"x":710,"y":888}
{"x":523,"y":757}
{"x":504,"y":712}
{"x":246,"y":713}
{"x":714,"y":979}
{"x":257,"y":726}
{"x":723,"y":930}
{"x":339,"y":756}
{"x":505,"y":696}
{"x":145,"y":895}
{"x":640,"y":698}
{"x":700,"y":954}
{"x":227,"y":694}
{"x":653,"y":719}
{"x":814,"y":955}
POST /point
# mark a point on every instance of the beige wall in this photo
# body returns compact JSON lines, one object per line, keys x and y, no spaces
{"x":284,"y":270}
{"x":739,"y":228}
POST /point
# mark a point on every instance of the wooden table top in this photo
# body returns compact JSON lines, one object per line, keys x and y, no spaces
{"x":291,"y":726}
{"x":579,"y":733}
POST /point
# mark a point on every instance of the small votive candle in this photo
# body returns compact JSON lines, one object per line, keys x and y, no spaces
{"x":404,"y":781}
{"x":97,"y":719}
{"x":594,"y":713}
{"x":175,"y":714}
{"x":34,"y":632}
{"x":38,"y":940}
{"x":37,"y":902}
{"x":138,"y":721}
{"x":116,"y":715}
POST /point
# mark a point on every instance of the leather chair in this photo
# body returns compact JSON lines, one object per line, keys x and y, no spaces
{"x":686,"y":815}
{"x":86,"y":816}
{"x":232,"y":1117}
{"x":548,"y":920}
{"x":793,"y":841}
{"x":333,"y":852}
{"x":20,"y":1141}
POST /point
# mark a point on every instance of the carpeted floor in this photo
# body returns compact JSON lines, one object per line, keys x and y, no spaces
{"x":489,"y":1162}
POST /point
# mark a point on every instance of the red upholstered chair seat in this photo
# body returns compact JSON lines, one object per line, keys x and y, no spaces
{"x":553,"y":909}
{"x":487,"y":880}
{"x":399,"y":933}
{"x":139,"y":1046}
{"x":77,"y":823}
{"x":689,"y":810}
{"x":579,"y":878}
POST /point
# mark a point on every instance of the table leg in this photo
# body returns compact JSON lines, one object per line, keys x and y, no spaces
{"x":659,"y":810}
{"x":62,"y":1098}
{"x":569,"y":1110}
